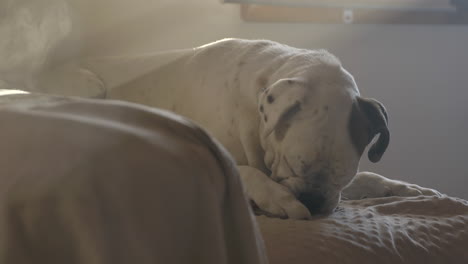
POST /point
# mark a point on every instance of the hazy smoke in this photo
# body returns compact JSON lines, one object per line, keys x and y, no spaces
{"x":29,"y":32}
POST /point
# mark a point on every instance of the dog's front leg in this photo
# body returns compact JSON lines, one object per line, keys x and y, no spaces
{"x":372,"y":185}
{"x":271,"y":197}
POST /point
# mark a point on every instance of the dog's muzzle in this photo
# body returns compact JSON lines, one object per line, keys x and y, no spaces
{"x":315,"y":202}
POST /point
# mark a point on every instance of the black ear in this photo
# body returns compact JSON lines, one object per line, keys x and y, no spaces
{"x":377,"y":116}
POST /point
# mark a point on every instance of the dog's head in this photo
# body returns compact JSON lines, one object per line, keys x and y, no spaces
{"x":314,"y":131}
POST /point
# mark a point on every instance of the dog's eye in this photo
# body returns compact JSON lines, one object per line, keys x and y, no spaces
{"x":364,"y":197}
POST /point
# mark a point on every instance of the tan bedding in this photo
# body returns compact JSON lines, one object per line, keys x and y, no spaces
{"x":424,"y":229}
{"x":102,"y":182}
{"x":58,"y":210}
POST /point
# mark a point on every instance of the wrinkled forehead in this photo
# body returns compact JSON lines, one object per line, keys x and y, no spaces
{"x":335,"y":80}
{"x":323,"y":124}
{"x":318,"y":129}
{"x":331,"y":101}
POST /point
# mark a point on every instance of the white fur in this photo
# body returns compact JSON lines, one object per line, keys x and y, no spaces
{"x":372,"y":185}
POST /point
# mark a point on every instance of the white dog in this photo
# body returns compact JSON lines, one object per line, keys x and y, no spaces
{"x":292,"y":118}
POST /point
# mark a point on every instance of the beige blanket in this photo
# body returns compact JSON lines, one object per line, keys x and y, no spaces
{"x":424,"y":229}
{"x":103,"y":182}
{"x":86,"y":181}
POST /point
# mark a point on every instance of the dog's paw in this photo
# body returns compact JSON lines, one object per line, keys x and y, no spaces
{"x":431,"y":192}
{"x":372,"y":185}
{"x":414,"y":190}
{"x":279,"y":202}
{"x":271,"y":198}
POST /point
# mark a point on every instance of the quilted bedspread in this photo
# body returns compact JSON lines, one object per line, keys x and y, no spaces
{"x":424,"y":229}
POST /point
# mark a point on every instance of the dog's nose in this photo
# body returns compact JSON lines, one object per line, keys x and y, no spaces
{"x":315,"y":202}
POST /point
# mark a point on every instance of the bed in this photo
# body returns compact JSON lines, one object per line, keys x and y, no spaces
{"x":422,"y":229}
{"x":82,"y":209}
